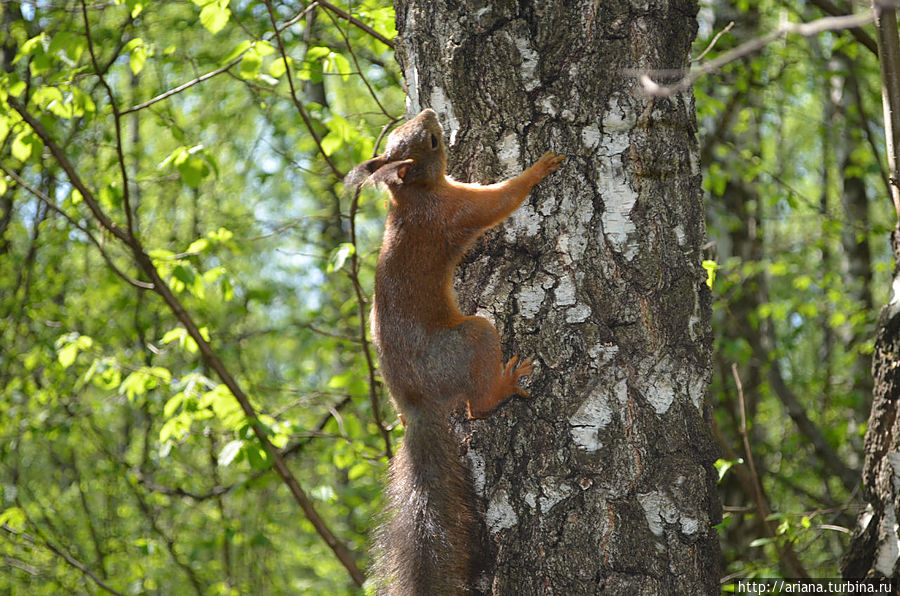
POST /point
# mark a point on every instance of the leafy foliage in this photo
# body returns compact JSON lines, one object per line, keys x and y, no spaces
{"x":798,"y":220}
{"x":126,"y":462}
{"x":121,"y":448}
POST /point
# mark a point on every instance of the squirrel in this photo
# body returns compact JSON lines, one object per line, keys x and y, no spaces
{"x":432,"y":357}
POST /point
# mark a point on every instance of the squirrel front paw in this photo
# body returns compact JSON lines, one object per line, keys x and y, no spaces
{"x":547,"y":164}
{"x":514,"y":373}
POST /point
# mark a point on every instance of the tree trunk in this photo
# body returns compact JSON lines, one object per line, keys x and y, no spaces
{"x":604,"y":480}
{"x":875,"y":546}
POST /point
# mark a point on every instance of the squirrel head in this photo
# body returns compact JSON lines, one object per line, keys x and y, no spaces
{"x":415,"y":155}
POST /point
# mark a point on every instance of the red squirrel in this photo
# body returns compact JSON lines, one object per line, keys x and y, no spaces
{"x":432,"y":357}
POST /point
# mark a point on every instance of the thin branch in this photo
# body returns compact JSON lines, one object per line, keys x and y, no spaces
{"x":350,"y":18}
{"x":861,"y":36}
{"x":300,"y":109}
{"x":213,"y":73}
{"x":67,"y":167}
{"x":745,"y":49}
{"x":145,"y":263}
{"x":712,"y":44}
{"x":359,"y":69}
{"x":47,"y":201}
{"x":786,"y":552}
{"x":361,"y":307}
{"x":116,"y":120}
{"x":69,"y":559}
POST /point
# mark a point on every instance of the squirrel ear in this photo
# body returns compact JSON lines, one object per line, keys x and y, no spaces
{"x":392,"y":174}
{"x":359,"y":174}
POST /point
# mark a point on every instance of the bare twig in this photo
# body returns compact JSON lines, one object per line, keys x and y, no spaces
{"x":69,"y":559}
{"x":213,"y":73}
{"x":126,"y":200}
{"x":300,"y":109}
{"x":363,"y":339}
{"x":359,"y":69}
{"x":47,"y":201}
{"x":745,"y":49}
{"x":861,"y":36}
{"x":350,"y":18}
{"x":786,"y":552}
{"x":712,"y":44}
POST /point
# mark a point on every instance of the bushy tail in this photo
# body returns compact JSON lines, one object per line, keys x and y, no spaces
{"x":427,"y":542}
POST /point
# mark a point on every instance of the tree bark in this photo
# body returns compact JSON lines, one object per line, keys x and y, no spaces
{"x":604,"y":480}
{"x":875,"y":546}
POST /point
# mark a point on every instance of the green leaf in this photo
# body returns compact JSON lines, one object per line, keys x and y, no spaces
{"x":331,"y":143}
{"x":135,"y":6}
{"x":277,"y":68}
{"x":214,"y":16}
{"x":761,"y":542}
{"x":192,"y":171}
{"x":14,"y":517}
{"x":67,"y":354}
{"x":237,"y":51}
{"x":22,"y":145}
{"x":711,"y":268}
{"x":250,"y":64}
{"x":172,"y":405}
{"x":339,"y":256}
{"x":341,"y":65}
{"x":137,"y":59}
{"x":229,"y":452}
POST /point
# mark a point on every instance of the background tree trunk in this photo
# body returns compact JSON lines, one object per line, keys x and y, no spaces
{"x":875,"y":547}
{"x":605,"y":478}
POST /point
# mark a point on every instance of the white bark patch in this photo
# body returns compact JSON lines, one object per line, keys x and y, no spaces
{"x":602,"y":355}
{"x":530,"y":298}
{"x":529,"y":63}
{"x":548,"y":105}
{"x":565,"y":291}
{"x":679,"y":235}
{"x":611,"y":140}
{"x":618,"y":201}
{"x":477,"y":468}
{"x":658,"y":509}
{"x":594,"y":414}
{"x":590,"y":136}
{"x":413,"y":106}
{"x":509,"y":153}
{"x":553,"y":494}
{"x":530,"y":499}
{"x":444,"y":109}
{"x":500,"y":514}
{"x":889,"y":544}
{"x":895,"y":291}
{"x":578,"y":313}
{"x":522,"y":218}
{"x":695,"y":322}
{"x":696,"y":390}
{"x":660,"y":394}
{"x":689,"y":525}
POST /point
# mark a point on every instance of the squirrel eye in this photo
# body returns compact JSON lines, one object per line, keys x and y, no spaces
{"x":434,"y":141}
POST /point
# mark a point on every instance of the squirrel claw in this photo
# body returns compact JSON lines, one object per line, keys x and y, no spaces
{"x":516,"y":370}
{"x":550,"y":162}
